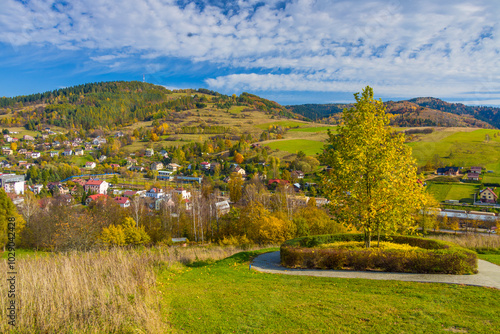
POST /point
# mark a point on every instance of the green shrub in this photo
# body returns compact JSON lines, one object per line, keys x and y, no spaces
{"x":431,"y":256}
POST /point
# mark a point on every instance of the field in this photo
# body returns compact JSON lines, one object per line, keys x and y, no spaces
{"x":227,"y":297}
{"x":193,"y":290}
{"x":459,"y":146}
{"x":464,"y":192}
{"x":323,"y":129}
{"x":309,"y":147}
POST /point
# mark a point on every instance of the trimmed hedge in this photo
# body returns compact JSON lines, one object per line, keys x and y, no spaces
{"x":434,"y":256}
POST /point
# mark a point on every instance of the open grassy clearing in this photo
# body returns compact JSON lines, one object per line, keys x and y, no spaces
{"x":458,"y":147}
{"x":491,"y":178}
{"x":290,"y":124}
{"x":455,"y":191}
{"x":324,"y":129}
{"x":309,"y":147}
{"x":228,"y":297}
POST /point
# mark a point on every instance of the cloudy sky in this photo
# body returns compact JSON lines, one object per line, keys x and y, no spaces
{"x":297,"y":51}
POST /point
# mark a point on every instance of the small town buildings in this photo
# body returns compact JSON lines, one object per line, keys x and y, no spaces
{"x":155,"y":193}
{"x":5,"y":164}
{"x":28,"y":138}
{"x":35,"y":155}
{"x":67,"y":152}
{"x":488,"y":196}
{"x":240,"y":171}
{"x":222,"y":208}
{"x":476,"y":169}
{"x":79,"y":151}
{"x":102,"y":158}
{"x":173,"y":167}
{"x":11,"y":183}
{"x":136,"y":168}
{"x":183,"y":192}
{"x":36,"y":188}
{"x":205,"y":165}
{"x":53,"y":154}
{"x":149,"y":152}
{"x":297,"y":174}
{"x":7,"y":151}
{"x":124,"y":202}
{"x":473,"y":176}
{"x":90,"y":165}
{"x":165,"y":175}
{"x":448,"y":171}
{"x":93,"y":198}
{"x":188,"y":179}
{"x":96,"y":186}
{"x":156,"y":165}
{"x":114,"y":166}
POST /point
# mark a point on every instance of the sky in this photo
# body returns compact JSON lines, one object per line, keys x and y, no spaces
{"x":292,"y":52}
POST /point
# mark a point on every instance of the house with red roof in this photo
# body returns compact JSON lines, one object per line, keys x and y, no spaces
{"x":93,"y":198}
{"x":96,"y":186}
{"x":124,"y":202}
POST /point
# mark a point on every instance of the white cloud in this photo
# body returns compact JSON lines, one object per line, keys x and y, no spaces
{"x":405,"y":48}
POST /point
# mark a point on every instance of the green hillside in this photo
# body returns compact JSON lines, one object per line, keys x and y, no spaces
{"x":116,"y":104}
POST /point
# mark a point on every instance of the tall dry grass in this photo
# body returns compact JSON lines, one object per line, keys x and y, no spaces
{"x":471,"y":240}
{"x":95,"y":292}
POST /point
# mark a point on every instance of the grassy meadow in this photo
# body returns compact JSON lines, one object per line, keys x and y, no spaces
{"x":309,"y":147}
{"x":453,"y":191}
{"x":212,"y":290}
{"x":459,"y":146}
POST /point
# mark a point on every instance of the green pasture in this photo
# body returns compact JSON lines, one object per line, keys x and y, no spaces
{"x":289,"y":124}
{"x":226,"y":297}
{"x":491,"y":178}
{"x":324,"y":129}
{"x":464,"y":192}
{"x":459,"y":147}
{"x":309,"y":147}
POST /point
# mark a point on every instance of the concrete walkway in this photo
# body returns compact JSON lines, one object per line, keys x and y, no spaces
{"x":488,"y":276}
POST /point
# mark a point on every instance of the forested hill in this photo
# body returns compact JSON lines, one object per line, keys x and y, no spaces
{"x":486,"y":114}
{"x":414,"y":112}
{"x":118,"y":103}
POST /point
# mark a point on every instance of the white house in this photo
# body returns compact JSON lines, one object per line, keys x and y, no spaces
{"x":90,"y":165}
{"x":183,"y":192}
{"x":150,"y":152}
{"x":155,"y":193}
{"x":12,"y":183}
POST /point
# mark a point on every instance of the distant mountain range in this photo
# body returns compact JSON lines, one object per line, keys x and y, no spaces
{"x":421,"y":111}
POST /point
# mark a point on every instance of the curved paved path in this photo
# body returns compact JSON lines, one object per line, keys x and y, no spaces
{"x":488,"y":276}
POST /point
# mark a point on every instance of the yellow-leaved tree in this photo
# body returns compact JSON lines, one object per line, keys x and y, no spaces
{"x":373,"y":182}
{"x":125,"y":234}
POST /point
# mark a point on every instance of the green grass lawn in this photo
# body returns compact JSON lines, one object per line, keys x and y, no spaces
{"x":493,"y":258}
{"x":459,"y":147}
{"x":227,"y":297}
{"x":324,"y":129}
{"x":309,"y":147}
{"x":456,"y":191}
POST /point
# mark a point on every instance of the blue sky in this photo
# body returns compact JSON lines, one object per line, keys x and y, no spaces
{"x":293,"y":52}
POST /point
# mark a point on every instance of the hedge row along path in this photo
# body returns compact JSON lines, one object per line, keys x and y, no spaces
{"x":488,"y":275}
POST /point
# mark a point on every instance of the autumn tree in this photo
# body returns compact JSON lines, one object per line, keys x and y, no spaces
{"x":238,"y":158}
{"x":235,"y":187}
{"x":373,"y":182}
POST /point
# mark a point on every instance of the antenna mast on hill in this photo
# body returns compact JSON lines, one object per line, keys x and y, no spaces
{"x":143,"y":78}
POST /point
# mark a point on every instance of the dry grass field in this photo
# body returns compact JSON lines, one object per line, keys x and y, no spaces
{"x":96,"y":292}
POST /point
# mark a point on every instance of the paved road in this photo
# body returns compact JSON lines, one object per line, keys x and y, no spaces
{"x":488,"y":276}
